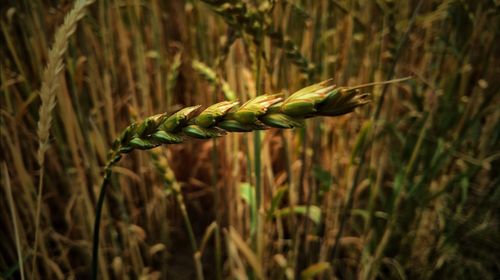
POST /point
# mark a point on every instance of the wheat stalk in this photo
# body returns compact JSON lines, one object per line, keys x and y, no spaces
{"x":15,"y":221}
{"x":50,"y":83}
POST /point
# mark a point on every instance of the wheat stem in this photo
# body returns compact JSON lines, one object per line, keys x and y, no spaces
{"x":97,"y":222}
{"x":12,"y":207}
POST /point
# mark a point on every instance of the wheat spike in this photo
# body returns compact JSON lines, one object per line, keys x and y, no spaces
{"x":261,"y":112}
{"x":47,"y":92}
{"x":51,"y":72}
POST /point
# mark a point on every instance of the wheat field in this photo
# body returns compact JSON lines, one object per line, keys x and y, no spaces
{"x":403,"y":185}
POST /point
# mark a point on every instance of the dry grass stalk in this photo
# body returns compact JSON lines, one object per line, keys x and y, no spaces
{"x":50,"y":83}
{"x":51,"y":74}
{"x":12,"y":206}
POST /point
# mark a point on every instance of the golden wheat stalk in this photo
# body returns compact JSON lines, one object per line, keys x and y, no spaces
{"x":50,"y":84}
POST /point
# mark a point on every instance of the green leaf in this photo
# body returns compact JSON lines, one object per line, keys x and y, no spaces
{"x":247,"y":193}
{"x":314,"y":212}
{"x":278,"y":196}
{"x":324,"y":177}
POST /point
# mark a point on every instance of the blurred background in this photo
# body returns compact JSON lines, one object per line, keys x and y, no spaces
{"x":406,"y":187}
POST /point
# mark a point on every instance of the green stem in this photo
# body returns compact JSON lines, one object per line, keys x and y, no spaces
{"x":97,"y":223}
{"x":257,"y":165}
{"x":187,"y":221}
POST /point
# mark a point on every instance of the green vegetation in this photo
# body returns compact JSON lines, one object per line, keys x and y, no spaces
{"x":406,"y":186}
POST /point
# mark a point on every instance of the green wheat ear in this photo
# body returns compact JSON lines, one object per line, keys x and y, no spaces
{"x":261,"y":112}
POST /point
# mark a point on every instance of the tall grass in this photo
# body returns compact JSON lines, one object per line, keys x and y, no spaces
{"x":406,"y":187}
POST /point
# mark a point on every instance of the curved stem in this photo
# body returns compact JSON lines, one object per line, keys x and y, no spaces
{"x":97,"y":223}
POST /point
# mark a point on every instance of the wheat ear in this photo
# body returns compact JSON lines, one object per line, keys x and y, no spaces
{"x":261,"y":112}
{"x":51,"y":72}
{"x":50,"y":83}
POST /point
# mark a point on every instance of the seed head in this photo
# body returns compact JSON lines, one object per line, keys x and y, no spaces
{"x":262,"y":112}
